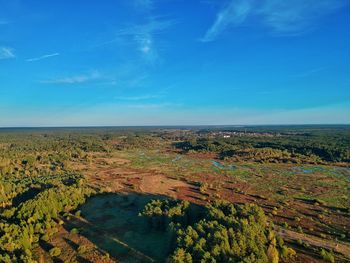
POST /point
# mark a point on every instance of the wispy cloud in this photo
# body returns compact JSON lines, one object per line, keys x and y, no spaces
{"x":42,"y":57}
{"x":144,"y":36}
{"x":232,"y":14}
{"x":78,"y":79}
{"x":281,"y":17}
{"x":138,"y":98}
{"x":298,"y":16}
{"x":6,"y":53}
{"x":153,"y":105}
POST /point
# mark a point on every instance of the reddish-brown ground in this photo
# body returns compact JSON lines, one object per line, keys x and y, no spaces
{"x":110,"y":175}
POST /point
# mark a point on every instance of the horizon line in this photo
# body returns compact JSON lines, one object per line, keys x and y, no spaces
{"x":171,"y":125}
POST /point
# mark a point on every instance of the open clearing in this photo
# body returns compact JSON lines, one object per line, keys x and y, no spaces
{"x":279,"y":188}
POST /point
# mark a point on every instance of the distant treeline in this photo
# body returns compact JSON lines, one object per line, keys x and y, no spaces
{"x":301,"y":146}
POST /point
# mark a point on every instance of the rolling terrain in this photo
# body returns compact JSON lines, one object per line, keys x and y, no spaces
{"x":78,"y":195}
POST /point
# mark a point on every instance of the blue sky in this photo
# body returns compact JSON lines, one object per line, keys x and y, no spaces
{"x":171,"y":62}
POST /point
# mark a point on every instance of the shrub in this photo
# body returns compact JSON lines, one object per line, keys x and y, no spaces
{"x":45,"y":237}
{"x":74,"y":231}
{"x":327,"y":256}
{"x":55,"y":252}
{"x":280,"y":241}
{"x":300,"y":229}
{"x":203,"y":188}
{"x":82,"y":249}
{"x":272,"y":254}
{"x":287,"y":252}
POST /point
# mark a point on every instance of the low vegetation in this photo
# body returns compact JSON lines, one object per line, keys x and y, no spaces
{"x":276,"y":181}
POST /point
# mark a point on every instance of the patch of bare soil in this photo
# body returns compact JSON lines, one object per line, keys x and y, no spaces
{"x":111,"y":179}
{"x":204,"y":155}
{"x":160,"y":184}
{"x":103,"y":174}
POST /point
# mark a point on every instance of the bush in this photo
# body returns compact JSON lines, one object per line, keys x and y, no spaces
{"x":287,"y":252}
{"x":74,"y":231}
{"x":82,"y":249}
{"x":280,"y":241}
{"x":45,"y":237}
{"x":300,"y":229}
{"x":272,"y":254}
{"x":203,"y":188}
{"x":327,"y":256}
{"x":55,"y":252}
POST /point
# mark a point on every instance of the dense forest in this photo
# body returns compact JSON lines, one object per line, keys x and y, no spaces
{"x":37,"y":189}
{"x":221,"y":232}
{"x":297,"y":146}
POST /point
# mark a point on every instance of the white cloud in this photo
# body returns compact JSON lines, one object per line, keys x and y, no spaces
{"x":6,"y":53}
{"x":281,"y":17}
{"x":42,"y":57}
{"x":232,"y":14}
{"x":298,"y":16}
{"x":145,"y":38}
{"x":145,"y":44}
{"x":74,"y":79}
